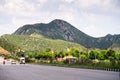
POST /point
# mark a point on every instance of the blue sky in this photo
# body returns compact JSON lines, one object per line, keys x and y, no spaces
{"x":94,"y":17}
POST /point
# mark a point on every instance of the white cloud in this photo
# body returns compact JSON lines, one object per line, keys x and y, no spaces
{"x":83,"y":14}
{"x":95,"y":18}
{"x":87,"y":3}
{"x":17,"y":7}
{"x":109,"y":6}
{"x":104,"y":6}
{"x":6,"y":29}
{"x":93,"y":31}
{"x":68,"y":1}
{"x":42,"y":1}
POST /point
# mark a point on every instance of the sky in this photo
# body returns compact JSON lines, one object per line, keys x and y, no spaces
{"x":96,"y":18}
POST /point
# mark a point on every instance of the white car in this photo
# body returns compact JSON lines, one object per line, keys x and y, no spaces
{"x":13,"y":62}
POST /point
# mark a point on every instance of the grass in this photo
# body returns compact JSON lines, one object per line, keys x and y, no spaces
{"x":39,"y":43}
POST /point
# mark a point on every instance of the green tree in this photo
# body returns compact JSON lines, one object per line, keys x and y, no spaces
{"x":101,"y":56}
{"x":61,"y":54}
{"x":48,"y":49}
{"x":93,"y":54}
{"x":83,"y":58}
{"x":110,"y":53}
{"x":30,"y":54}
{"x":38,"y":56}
{"x":76,"y":53}
{"x":56,"y":55}
{"x":117,"y":56}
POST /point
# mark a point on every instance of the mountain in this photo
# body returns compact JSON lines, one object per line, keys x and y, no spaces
{"x":109,"y":41}
{"x":59,"y":29}
{"x":35,"y":42}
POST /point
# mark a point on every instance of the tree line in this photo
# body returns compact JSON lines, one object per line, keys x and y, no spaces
{"x":81,"y":56}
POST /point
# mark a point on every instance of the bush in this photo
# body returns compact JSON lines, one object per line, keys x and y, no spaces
{"x":107,"y":62}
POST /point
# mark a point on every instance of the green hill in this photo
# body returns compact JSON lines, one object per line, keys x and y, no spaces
{"x":35,"y":42}
{"x":7,"y":45}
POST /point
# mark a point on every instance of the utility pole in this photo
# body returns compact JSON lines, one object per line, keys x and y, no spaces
{"x":52,"y":56}
{"x":79,"y":57}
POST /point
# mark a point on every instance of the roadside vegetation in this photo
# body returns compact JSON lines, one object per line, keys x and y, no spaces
{"x":87,"y":59}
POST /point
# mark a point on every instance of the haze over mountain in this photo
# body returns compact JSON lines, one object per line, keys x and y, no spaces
{"x":60,"y":29}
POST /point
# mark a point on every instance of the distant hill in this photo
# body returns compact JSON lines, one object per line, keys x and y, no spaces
{"x":59,"y":29}
{"x":109,"y":41}
{"x":35,"y":42}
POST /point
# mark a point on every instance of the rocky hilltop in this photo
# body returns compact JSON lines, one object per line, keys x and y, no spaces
{"x":60,"y":29}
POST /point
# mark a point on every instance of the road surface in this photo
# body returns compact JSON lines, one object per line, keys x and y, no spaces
{"x":40,"y":72}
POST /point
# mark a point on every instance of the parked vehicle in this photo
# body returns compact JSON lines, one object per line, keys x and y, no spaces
{"x":22,"y":60}
{"x":13,"y":62}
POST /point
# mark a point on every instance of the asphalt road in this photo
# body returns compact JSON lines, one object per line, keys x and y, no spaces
{"x":40,"y":72}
